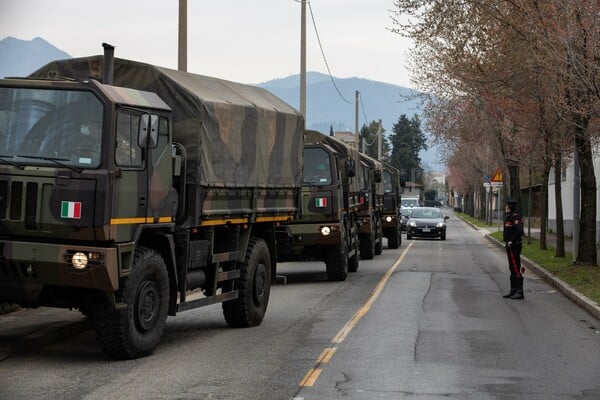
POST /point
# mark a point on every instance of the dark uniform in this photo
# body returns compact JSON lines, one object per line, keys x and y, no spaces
{"x":513,"y":231}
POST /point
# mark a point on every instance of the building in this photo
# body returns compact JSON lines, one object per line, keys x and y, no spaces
{"x":567,"y":197}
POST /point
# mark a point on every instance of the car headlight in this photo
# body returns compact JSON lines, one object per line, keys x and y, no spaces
{"x":441,"y":225}
{"x":325,"y":230}
{"x":412,"y":223}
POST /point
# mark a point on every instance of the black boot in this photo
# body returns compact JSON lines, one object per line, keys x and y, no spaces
{"x":518,"y":294}
{"x":513,"y":288}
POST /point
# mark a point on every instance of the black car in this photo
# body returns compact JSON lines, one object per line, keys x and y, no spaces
{"x":426,"y":222}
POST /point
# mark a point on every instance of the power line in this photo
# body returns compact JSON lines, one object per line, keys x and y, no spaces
{"x":312,"y":16}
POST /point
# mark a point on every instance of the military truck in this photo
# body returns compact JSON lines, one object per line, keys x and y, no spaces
{"x":391,"y":218}
{"x":370,"y":229}
{"x":326,"y":228}
{"x":172,"y":205}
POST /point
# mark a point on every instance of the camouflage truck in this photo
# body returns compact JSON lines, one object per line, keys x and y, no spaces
{"x":370,"y":230}
{"x":327,"y":226}
{"x":172,"y":205}
{"x":391,"y":218}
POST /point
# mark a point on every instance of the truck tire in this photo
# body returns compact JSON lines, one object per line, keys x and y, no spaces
{"x":336,"y":261}
{"x":394,"y":239}
{"x":367,"y":246}
{"x":379,"y":239}
{"x":253,"y":285}
{"x":135,"y":330}
{"x":353,"y":262}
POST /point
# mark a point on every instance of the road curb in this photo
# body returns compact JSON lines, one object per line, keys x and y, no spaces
{"x":566,"y":289}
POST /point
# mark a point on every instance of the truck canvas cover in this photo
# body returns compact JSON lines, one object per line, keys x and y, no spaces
{"x":236,"y":135}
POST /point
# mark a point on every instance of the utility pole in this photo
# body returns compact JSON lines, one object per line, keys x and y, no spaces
{"x":379,"y":133}
{"x":303,"y":60}
{"x":356,"y":94}
{"x":182,"y":46}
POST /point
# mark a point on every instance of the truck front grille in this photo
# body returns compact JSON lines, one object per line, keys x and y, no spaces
{"x":19,"y":202}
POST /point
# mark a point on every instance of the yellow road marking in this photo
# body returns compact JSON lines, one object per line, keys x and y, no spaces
{"x":339,"y":338}
{"x":311,"y":377}
{"x":326,"y":355}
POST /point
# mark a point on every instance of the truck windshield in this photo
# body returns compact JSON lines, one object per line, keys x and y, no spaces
{"x":38,"y":126}
{"x":317,"y":167}
{"x":387,"y":182}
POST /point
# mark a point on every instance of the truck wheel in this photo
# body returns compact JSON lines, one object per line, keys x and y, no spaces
{"x":394,"y":239}
{"x":336,"y":261}
{"x":367,"y":246}
{"x":135,"y":330}
{"x":379,"y":241}
{"x":353,"y":262}
{"x":254,"y":287}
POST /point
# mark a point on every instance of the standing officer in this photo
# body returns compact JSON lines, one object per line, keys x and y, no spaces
{"x":513,"y":231}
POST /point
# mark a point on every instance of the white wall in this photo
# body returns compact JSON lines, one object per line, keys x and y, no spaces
{"x":567,"y":197}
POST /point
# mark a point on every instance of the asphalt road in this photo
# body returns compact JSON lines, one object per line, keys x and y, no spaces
{"x":425,"y":321}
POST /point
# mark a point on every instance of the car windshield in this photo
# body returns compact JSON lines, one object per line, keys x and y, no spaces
{"x":425,"y":214}
{"x":40,"y":126}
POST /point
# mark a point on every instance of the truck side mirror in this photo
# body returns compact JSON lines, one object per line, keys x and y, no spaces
{"x":148,"y":132}
{"x":350,"y":168}
{"x":377,"y":175}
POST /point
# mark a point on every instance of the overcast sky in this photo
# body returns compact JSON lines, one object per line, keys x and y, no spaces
{"x":248,"y":41}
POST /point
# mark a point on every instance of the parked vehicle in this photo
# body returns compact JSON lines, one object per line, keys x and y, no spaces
{"x":327,"y":226}
{"x":370,"y":229}
{"x":426,"y":222}
{"x":391,"y":218}
{"x":172,"y":206}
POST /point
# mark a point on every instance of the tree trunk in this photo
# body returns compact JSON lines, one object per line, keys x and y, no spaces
{"x":560,"y":228}
{"x":587,"y":220}
{"x":514,"y":189}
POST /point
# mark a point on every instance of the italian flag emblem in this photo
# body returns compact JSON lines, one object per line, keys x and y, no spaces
{"x":321,"y":202}
{"x":70,"y":209}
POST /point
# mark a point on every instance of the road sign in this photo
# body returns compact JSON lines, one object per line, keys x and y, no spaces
{"x":497,"y":178}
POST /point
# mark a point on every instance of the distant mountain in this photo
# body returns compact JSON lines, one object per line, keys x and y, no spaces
{"x":22,"y":57}
{"x":326,"y":108}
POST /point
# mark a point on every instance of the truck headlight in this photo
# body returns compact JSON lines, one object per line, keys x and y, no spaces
{"x":79,"y":260}
{"x":325,"y":230}
{"x":388,"y":219}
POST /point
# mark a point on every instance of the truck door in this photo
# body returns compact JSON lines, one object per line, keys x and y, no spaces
{"x":130,"y":188}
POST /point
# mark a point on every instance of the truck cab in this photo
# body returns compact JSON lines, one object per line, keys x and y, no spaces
{"x":326,"y":229}
{"x":77,"y":162}
{"x":391,"y":218}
